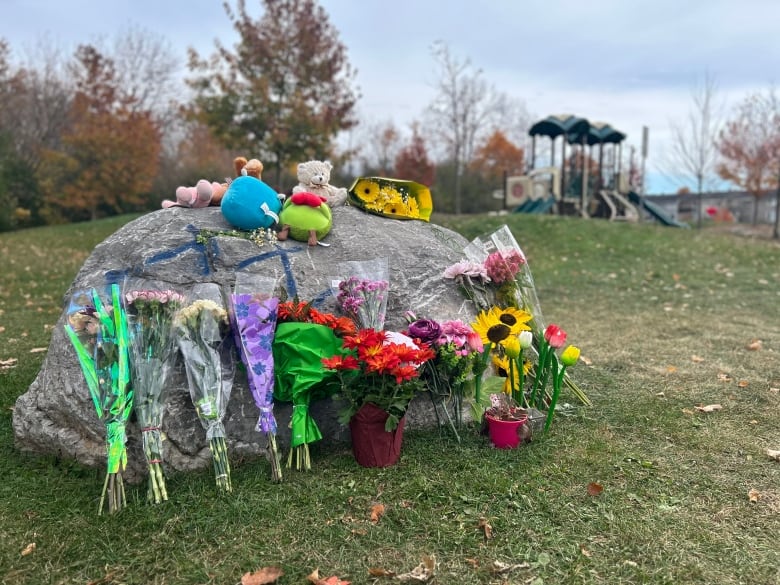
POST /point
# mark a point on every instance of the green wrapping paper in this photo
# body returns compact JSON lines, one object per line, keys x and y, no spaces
{"x":298,"y":351}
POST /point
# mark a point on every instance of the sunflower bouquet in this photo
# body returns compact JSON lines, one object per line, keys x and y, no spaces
{"x":533,"y":380}
{"x":394,"y":198}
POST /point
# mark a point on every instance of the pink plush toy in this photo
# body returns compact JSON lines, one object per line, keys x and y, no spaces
{"x":198,"y":196}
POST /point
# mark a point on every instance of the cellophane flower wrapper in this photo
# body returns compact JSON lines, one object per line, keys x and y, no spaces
{"x":298,"y":349}
{"x":253,"y":318}
{"x":98,"y":331}
{"x":202,"y":335}
{"x":515,"y":283}
{"x":361,"y":288}
{"x":151,"y":308}
{"x":394,"y":198}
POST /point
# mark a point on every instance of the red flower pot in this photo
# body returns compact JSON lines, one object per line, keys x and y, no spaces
{"x":372,"y":445}
{"x":505,"y":434}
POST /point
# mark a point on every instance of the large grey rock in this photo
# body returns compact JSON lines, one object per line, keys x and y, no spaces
{"x":56,"y":416}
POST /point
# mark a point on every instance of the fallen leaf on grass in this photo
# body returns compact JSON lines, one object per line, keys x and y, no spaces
{"x":723,"y":377}
{"x":754,"y":345}
{"x":30,"y":548}
{"x":8,"y":364}
{"x":262,"y":576}
{"x":708,"y":408}
{"x":594,"y":489}
{"x":753,"y":496}
{"x":498,"y":568}
{"x":377,"y":511}
{"x":697,"y":359}
{"x":585,"y":552}
{"x":332,"y":580}
{"x":380,"y":572}
{"x":422,"y":572}
{"x":2,"y":329}
{"x":661,"y":394}
{"x":774,"y":390}
{"x":485,"y":526}
{"x":586,"y":360}
{"x":773,"y":454}
{"x":671,"y":369}
{"x":37,"y":349}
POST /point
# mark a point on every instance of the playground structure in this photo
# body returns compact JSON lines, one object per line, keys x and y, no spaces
{"x":579,"y":186}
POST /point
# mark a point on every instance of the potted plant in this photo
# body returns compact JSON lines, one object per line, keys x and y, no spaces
{"x":506,"y":422}
{"x":379,"y":376}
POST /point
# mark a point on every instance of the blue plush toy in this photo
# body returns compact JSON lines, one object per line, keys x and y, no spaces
{"x":250,"y":204}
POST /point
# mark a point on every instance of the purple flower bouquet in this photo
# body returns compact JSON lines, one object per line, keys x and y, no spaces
{"x":254,"y":314}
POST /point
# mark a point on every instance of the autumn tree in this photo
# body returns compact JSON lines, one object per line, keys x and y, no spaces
{"x":412,"y":162}
{"x":496,"y":156}
{"x":464,"y":106}
{"x":110,"y":151}
{"x":750,"y":146}
{"x":285,"y":92}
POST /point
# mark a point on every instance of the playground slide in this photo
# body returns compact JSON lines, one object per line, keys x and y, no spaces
{"x":535,"y":206}
{"x":655,"y":210}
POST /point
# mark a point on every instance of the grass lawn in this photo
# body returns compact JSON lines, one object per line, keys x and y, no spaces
{"x":668,"y":320}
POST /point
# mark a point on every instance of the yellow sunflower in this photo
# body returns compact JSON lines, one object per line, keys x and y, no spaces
{"x":366,"y":190}
{"x":413,"y":210}
{"x":516,"y":319}
{"x":490,"y":327}
{"x":501,"y":364}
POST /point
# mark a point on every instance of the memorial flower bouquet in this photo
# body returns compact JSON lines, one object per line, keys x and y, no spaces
{"x":496,"y":273}
{"x":253,"y":315}
{"x":202,"y":329}
{"x":305,"y":335}
{"x":361,"y":292}
{"x":98,"y":332}
{"x":457,"y":347}
{"x":152,"y":352}
{"x":373,"y":369}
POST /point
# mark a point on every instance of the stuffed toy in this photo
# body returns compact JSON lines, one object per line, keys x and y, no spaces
{"x":250,"y":204}
{"x":305,"y":217}
{"x":201,"y":195}
{"x":314,"y":177}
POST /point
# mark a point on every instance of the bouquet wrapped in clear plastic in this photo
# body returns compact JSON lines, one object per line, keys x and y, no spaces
{"x":361,"y":289}
{"x":202,"y":334}
{"x":98,"y":332}
{"x":152,"y":357}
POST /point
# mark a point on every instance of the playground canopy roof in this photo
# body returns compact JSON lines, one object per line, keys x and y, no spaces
{"x":603,"y":133}
{"x":575,"y":129}
{"x":568,"y":124}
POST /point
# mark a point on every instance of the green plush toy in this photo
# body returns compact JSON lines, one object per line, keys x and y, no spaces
{"x":305,"y":217}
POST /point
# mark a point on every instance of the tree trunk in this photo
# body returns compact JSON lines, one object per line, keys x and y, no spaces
{"x":776,"y":231}
{"x":755,"y":210}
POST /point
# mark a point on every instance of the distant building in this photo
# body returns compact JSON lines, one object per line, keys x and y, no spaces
{"x":718,"y":205}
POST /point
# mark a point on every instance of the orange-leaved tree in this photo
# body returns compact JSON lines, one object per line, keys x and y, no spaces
{"x":413,"y":163}
{"x":110,"y":151}
{"x":750,"y":146}
{"x":496,"y":156}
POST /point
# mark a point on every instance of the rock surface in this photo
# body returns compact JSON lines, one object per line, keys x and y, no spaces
{"x":56,"y":415}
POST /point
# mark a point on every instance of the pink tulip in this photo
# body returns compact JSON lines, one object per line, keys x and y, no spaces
{"x":555,"y":336}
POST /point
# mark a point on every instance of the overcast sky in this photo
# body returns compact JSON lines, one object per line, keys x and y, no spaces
{"x":630,"y":63}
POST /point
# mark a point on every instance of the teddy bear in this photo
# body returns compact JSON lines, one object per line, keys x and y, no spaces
{"x":314,"y":177}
